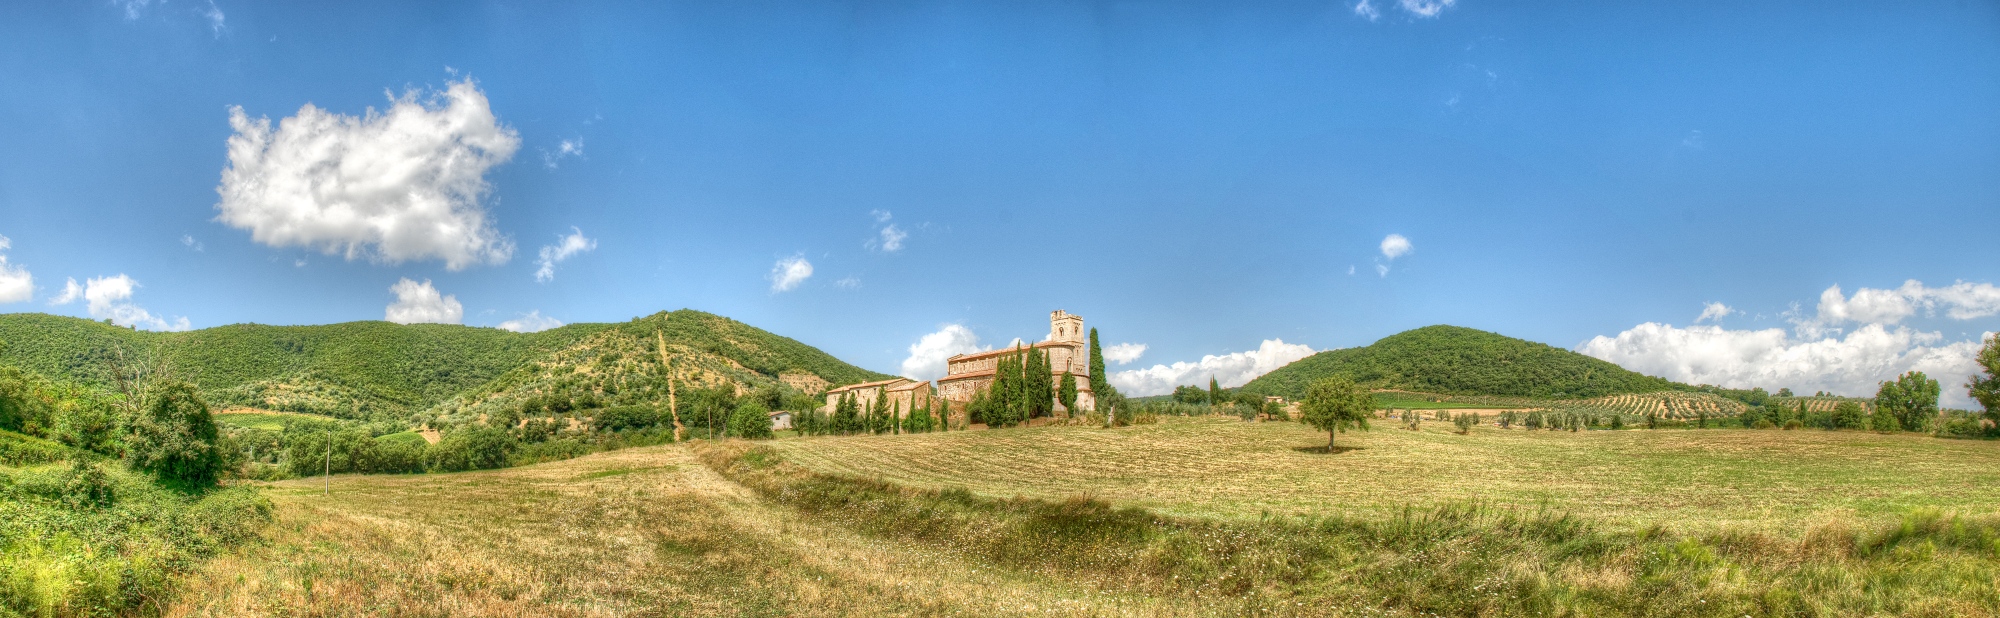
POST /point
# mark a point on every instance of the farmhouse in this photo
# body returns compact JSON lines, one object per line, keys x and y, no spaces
{"x":1067,"y":348}
{"x":903,"y":394}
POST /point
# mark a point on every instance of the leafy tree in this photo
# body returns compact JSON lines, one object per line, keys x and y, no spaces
{"x":88,"y":423}
{"x":1846,"y":415}
{"x":751,"y":421}
{"x":1986,"y":390}
{"x":1465,"y":421}
{"x":1912,"y":398}
{"x":1335,"y":404}
{"x":621,"y":418}
{"x":1884,"y":421}
{"x":1190,"y":394}
{"x":174,"y":437}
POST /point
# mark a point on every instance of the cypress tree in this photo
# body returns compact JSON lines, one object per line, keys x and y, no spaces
{"x":1100,"y":385}
{"x":1066,"y":392}
{"x":1214,"y":392}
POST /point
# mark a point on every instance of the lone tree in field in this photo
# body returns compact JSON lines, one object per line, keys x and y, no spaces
{"x":1335,"y":404}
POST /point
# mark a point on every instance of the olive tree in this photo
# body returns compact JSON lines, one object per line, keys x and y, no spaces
{"x":1335,"y":404}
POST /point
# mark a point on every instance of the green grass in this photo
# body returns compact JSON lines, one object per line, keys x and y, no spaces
{"x":1775,"y":481}
{"x":252,"y":420}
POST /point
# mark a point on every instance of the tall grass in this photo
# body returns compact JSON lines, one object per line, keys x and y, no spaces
{"x":1456,"y":559}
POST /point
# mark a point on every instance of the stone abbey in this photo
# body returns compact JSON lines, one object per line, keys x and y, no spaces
{"x":1067,"y":349}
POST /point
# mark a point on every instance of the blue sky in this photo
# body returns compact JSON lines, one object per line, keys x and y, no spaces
{"x":1203,"y":179}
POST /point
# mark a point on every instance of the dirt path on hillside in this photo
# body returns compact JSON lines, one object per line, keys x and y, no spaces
{"x":639,"y":532}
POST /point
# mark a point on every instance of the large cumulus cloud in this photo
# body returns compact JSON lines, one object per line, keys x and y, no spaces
{"x":408,"y":183}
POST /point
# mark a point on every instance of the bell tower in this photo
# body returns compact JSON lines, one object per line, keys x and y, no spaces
{"x":1065,"y":327}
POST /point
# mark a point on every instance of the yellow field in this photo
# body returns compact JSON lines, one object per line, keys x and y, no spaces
{"x":1223,"y":467}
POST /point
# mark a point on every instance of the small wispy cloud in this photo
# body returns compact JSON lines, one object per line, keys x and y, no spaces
{"x":847,"y":283}
{"x":1426,"y":8}
{"x":1367,"y":10}
{"x":1694,"y":141}
{"x":789,"y":272}
{"x":532,"y":322}
{"x":564,"y":149}
{"x":565,"y":247}
{"x":888,"y":239}
{"x":110,"y":298}
{"x":1714,"y":311}
{"x":187,"y":240}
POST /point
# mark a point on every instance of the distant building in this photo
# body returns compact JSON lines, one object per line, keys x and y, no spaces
{"x":1067,"y":348}
{"x":781,"y":420}
{"x":903,"y":394}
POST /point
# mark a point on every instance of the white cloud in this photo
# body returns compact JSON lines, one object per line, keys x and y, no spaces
{"x":1819,"y":353}
{"x":132,"y":7}
{"x":533,"y":322}
{"x":1350,"y":270}
{"x":567,"y":246}
{"x":187,"y":240}
{"x":109,"y":298}
{"x":1852,"y":365}
{"x":1124,"y":353}
{"x":1395,"y":246}
{"x":17,"y":285}
{"x":1367,"y":10}
{"x":928,"y":354}
{"x":215,"y":18}
{"x":892,"y":238}
{"x":565,"y":149}
{"x":405,"y":184}
{"x":1231,"y":370}
{"x":71,"y":292}
{"x":419,"y":303}
{"x":1426,"y":8}
{"x":1960,"y":301}
{"x":1382,"y":269}
{"x":847,"y":283}
{"x":1714,"y":311}
{"x":788,"y":273}
{"x":889,"y":239}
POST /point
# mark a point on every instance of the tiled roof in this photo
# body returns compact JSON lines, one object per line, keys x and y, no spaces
{"x":1011,"y":350}
{"x":850,"y":387}
{"x":910,"y":387}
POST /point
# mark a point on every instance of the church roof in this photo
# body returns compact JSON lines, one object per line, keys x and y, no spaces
{"x":863,"y":385}
{"x":1012,"y":350}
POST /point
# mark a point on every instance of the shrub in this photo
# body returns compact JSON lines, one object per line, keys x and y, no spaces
{"x":1793,"y":424}
{"x":1846,"y":415}
{"x":173,"y":437}
{"x":1617,"y":421}
{"x":622,"y":418}
{"x":472,"y":448}
{"x":751,"y":421}
{"x":1465,"y":421}
{"x":85,"y":486}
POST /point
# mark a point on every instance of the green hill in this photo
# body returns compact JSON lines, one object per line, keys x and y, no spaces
{"x":384,"y":370}
{"x":1461,"y":361}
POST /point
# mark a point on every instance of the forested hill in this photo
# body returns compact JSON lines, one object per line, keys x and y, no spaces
{"x":1461,"y":361}
{"x":377,"y":369}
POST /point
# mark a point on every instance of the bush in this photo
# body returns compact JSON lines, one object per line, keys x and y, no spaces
{"x":85,"y":486}
{"x":622,"y":418}
{"x":751,"y":421}
{"x":174,"y":438}
{"x":472,"y":448}
{"x":1465,"y":421}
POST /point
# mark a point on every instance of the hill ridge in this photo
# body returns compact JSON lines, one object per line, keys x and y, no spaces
{"x":1455,"y":360}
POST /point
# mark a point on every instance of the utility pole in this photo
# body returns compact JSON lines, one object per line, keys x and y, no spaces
{"x":329,"y":461}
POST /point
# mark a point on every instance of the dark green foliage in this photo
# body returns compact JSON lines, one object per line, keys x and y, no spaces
{"x":85,"y":486}
{"x":1190,"y":394}
{"x":1912,"y":398}
{"x":384,"y":370}
{"x":1461,"y":361}
{"x":1846,"y":415}
{"x":173,"y":437}
{"x":472,"y":448}
{"x":1066,"y":393}
{"x":1214,"y":392}
{"x":88,"y":423}
{"x":622,"y":418}
{"x":1986,"y":389}
{"x":750,"y":421}
{"x":1465,"y":422}
{"x":1100,"y":383}
{"x":846,"y":415}
{"x":20,"y":410}
{"x":1336,"y":404}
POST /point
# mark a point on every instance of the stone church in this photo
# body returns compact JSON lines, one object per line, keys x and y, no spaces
{"x":1068,"y":349}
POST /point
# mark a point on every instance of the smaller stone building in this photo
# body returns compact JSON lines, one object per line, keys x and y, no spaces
{"x":903,"y":394}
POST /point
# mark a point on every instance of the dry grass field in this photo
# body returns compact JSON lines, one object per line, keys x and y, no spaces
{"x":639,"y":532}
{"x":1691,"y":480}
{"x":1764,"y":523}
